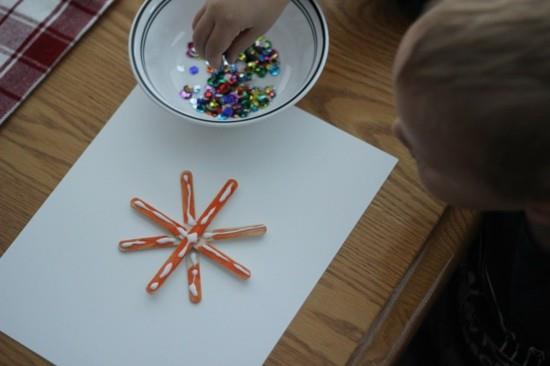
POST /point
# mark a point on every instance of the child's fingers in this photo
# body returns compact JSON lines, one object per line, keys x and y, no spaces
{"x":202,"y":32}
{"x":219,"y":41}
{"x":198,"y":16}
{"x":241,"y":43}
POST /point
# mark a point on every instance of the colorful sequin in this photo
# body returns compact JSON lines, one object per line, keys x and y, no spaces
{"x":228,"y":93}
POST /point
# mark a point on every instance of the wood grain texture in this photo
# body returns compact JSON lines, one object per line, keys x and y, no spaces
{"x":46,"y":135}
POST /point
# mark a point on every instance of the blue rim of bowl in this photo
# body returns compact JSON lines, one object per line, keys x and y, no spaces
{"x":152,"y":93}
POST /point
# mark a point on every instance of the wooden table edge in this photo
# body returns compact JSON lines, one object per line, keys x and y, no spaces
{"x":449,"y":238}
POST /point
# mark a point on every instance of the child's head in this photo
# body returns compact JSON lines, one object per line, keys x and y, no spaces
{"x":473,"y":98}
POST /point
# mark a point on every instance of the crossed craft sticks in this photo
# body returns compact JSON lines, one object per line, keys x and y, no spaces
{"x":191,"y":237}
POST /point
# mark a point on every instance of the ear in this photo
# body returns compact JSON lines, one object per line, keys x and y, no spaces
{"x":539,"y":212}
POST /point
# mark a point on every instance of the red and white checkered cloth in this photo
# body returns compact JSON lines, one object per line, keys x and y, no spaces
{"x":34,"y":36}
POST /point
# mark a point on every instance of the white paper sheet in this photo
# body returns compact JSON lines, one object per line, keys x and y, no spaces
{"x":67,"y":293}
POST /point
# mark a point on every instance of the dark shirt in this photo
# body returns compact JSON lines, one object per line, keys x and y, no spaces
{"x":529,"y":293}
{"x":496,"y":309}
{"x":504,"y":295}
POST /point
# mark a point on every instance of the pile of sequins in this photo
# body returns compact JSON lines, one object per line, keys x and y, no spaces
{"x":228,"y":93}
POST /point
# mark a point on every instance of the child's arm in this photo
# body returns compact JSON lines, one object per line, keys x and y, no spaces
{"x":230,"y":26}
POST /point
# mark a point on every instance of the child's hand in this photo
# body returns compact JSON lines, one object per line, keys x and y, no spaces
{"x":230,"y":26}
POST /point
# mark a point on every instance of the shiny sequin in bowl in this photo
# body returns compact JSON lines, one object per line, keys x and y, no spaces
{"x":158,"y":44}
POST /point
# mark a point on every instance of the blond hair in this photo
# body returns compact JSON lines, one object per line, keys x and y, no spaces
{"x":492,"y":58}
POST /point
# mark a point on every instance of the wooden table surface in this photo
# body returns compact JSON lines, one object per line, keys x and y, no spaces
{"x":373,"y":295}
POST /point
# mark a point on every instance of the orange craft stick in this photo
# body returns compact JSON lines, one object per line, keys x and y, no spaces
{"x":235,"y":232}
{"x":188,"y":205}
{"x":192,"y":235}
{"x":164,"y":241}
{"x":133,"y":245}
{"x":194,"y":279}
{"x":160,"y":218}
{"x":187,"y":198}
{"x":224,"y":260}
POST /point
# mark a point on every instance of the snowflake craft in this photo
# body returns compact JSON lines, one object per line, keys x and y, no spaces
{"x":191,"y":237}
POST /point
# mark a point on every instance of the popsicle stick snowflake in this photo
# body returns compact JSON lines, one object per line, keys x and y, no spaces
{"x":190,"y":237}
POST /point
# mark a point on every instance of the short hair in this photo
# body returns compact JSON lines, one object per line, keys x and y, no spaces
{"x":494,"y":54}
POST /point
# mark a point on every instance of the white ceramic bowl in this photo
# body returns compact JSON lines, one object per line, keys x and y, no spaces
{"x":158,"y":44}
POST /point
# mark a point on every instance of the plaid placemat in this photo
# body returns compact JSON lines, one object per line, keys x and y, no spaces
{"x":34,"y":36}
